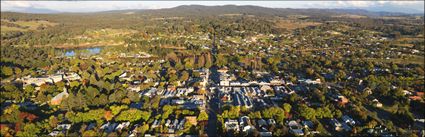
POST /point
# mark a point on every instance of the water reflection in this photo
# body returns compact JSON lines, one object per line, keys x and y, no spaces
{"x":84,"y":51}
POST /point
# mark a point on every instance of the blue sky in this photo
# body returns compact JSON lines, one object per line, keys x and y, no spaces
{"x":92,"y":6}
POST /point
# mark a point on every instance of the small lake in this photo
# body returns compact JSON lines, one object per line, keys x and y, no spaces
{"x":83,"y":51}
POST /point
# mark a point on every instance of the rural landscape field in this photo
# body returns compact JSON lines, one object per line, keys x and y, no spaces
{"x":212,"y":70}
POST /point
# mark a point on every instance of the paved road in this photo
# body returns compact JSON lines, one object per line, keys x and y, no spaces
{"x":212,"y":117}
{"x":212,"y":103}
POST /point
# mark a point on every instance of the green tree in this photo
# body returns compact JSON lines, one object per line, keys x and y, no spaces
{"x":117,"y":109}
{"x":133,"y":115}
{"x":142,"y":129}
{"x":307,"y":112}
{"x":287,"y":107}
{"x":30,"y":130}
{"x":203,"y":116}
{"x":184,"y":76}
{"x":7,"y":71}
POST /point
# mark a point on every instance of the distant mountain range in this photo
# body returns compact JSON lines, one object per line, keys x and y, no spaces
{"x":200,"y":10}
{"x":34,"y":10}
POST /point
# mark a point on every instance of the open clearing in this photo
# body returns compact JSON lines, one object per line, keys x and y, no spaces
{"x":25,"y":25}
{"x":292,"y":24}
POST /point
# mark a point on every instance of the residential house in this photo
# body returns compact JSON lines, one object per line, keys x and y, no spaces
{"x":308,"y":124}
{"x":337,"y":126}
{"x":262,"y":123}
{"x":191,"y":119}
{"x":295,"y":128}
{"x":349,"y":120}
{"x":231,"y":125}
{"x":271,"y":122}
{"x":109,"y":127}
{"x":58,"y":98}
{"x":245,"y":124}
{"x":376,"y":103}
{"x":122,"y":125}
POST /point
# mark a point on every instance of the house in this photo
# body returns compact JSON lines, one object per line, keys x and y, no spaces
{"x":167,"y":124}
{"x":342,"y":100}
{"x":91,"y":126}
{"x":122,"y":125}
{"x":349,"y":120}
{"x":265,"y":88}
{"x":406,"y":92}
{"x":271,"y":122}
{"x":376,"y":103}
{"x":54,"y":133}
{"x":72,"y":76}
{"x":248,"y":128}
{"x":35,"y":81}
{"x":109,"y":127}
{"x":261,"y":123}
{"x":295,"y":128}
{"x":134,"y":88}
{"x":226,"y":98}
{"x":266,"y":134}
{"x":235,"y":83}
{"x":150,"y":92}
{"x":223,"y":70}
{"x":155,"y":123}
{"x":309,"y":81}
{"x":336,"y":124}
{"x":58,"y":98}
{"x":224,"y":82}
{"x":276,"y":81}
{"x":244,"y":121}
{"x":308,"y":124}
{"x":367,"y":91}
{"x":122,"y":75}
{"x":231,"y":125}
{"x":181,"y":124}
{"x":345,"y":127}
{"x":191,"y":119}
{"x":63,"y":127}
{"x":178,"y":101}
{"x":417,"y":96}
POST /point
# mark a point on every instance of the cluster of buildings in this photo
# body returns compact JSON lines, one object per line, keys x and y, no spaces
{"x":51,"y":79}
{"x":191,"y":103}
{"x":60,"y":129}
{"x":136,"y":55}
{"x":48,"y":79}
{"x":235,"y":96}
{"x":173,"y":125}
{"x":245,"y":124}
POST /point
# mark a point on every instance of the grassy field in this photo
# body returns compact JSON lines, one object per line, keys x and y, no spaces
{"x":31,"y":25}
{"x":7,"y":29}
{"x":292,"y":24}
{"x":407,"y":41}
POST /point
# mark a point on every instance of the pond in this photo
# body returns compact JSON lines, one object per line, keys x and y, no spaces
{"x":83,"y":51}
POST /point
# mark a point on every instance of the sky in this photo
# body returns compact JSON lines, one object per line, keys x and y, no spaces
{"x":93,"y":6}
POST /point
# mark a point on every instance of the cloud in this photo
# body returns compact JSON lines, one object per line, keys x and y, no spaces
{"x":379,"y":3}
{"x":356,"y":3}
{"x":18,"y":4}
